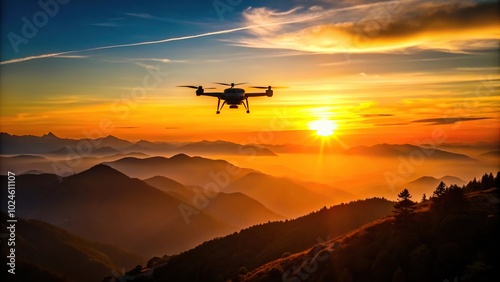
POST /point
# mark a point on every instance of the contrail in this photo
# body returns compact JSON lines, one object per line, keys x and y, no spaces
{"x":29,"y":58}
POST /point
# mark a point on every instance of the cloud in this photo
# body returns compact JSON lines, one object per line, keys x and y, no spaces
{"x":440,"y":121}
{"x":187,"y":37}
{"x":72,"y":56}
{"x":391,"y":124}
{"x":391,"y":26}
{"x":376,"y":115}
{"x":141,"y":15}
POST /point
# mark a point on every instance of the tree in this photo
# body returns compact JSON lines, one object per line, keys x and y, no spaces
{"x":440,"y":189}
{"x":424,"y":198}
{"x":404,"y":209}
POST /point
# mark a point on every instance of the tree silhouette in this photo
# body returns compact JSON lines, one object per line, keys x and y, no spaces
{"x":424,"y":198}
{"x":440,"y":189}
{"x":404,"y":208}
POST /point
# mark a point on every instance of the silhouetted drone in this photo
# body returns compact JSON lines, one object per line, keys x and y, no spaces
{"x":232,"y":96}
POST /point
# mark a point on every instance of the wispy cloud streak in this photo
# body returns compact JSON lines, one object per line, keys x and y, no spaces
{"x":207,"y":34}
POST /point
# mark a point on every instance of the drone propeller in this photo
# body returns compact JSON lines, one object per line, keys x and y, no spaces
{"x":267,"y":87}
{"x":229,"y":84}
{"x":194,"y":87}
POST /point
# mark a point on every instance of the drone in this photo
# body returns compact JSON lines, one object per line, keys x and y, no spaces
{"x":231,"y":96}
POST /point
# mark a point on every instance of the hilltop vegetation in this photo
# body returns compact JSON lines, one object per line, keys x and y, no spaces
{"x":223,"y":258}
{"x":453,"y":236}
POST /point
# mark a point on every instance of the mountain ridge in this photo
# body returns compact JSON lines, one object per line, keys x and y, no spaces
{"x":96,"y":204}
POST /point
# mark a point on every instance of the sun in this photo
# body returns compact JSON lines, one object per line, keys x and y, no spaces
{"x":323,"y":127}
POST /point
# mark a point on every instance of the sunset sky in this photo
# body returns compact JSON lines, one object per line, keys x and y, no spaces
{"x":383,"y":71}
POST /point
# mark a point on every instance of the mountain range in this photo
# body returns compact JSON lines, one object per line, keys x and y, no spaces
{"x":283,"y":196}
{"x":422,"y":184}
{"x":406,"y":150}
{"x":236,"y":209}
{"x":46,"y":250}
{"x":110,"y":145}
{"x":102,"y":204}
{"x":160,"y":215}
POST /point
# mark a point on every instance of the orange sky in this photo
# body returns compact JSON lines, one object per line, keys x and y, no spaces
{"x":402,"y":81}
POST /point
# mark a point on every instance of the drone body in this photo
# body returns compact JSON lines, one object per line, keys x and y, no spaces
{"x":232,"y":96}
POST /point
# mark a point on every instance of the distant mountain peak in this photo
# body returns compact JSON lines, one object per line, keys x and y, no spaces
{"x":50,"y":135}
{"x":112,"y":137}
{"x":180,"y":156}
{"x":101,"y":170}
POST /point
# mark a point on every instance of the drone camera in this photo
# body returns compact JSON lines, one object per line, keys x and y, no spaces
{"x":269,"y":93}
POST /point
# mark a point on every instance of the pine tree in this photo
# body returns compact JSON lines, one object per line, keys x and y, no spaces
{"x":439,"y":190}
{"x":424,"y":198}
{"x":404,"y":209}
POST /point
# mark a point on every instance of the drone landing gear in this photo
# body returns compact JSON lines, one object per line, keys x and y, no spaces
{"x":247,"y":106}
{"x":219,"y":107}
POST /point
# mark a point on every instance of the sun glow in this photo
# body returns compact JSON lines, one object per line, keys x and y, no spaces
{"x":323,"y":127}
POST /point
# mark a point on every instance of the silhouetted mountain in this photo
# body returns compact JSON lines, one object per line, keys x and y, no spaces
{"x":22,"y":163}
{"x":30,"y":158}
{"x":433,"y":182}
{"x":289,"y":148}
{"x":173,"y":188}
{"x":125,"y":155}
{"x":152,"y":147}
{"x":336,"y":194}
{"x":459,"y":245}
{"x":426,"y":184}
{"x":492,"y":157}
{"x":236,"y":209}
{"x":221,"y":259}
{"x":101,"y":151}
{"x":187,"y":170}
{"x":390,"y":150}
{"x":29,"y":144}
{"x":472,"y":149}
{"x":281,"y":195}
{"x":240,"y":210}
{"x":102,"y":204}
{"x":44,"y":246}
{"x":223,"y":147}
{"x":112,"y":141}
{"x":49,"y":143}
{"x":491,"y":154}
